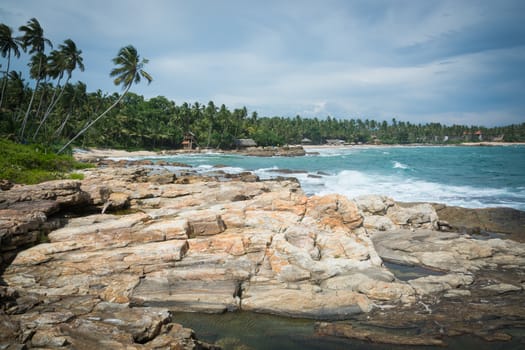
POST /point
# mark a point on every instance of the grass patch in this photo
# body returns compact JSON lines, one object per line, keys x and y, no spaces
{"x":30,"y":164}
{"x":76,"y":176}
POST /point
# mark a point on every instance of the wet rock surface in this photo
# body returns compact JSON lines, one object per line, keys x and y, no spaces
{"x":483,"y":222}
{"x":149,"y":241}
{"x":285,"y":151}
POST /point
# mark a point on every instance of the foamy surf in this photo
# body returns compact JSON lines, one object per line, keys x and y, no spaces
{"x":353,"y":183}
{"x":399,"y":165}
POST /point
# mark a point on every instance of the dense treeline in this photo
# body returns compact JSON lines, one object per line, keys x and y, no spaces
{"x":55,"y":112}
{"x":159,"y":123}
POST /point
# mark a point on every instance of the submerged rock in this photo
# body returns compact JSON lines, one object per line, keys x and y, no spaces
{"x":375,"y":335}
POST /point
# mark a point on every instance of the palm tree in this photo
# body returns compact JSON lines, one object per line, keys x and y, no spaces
{"x":129,"y":70}
{"x":34,"y":39}
{"x":41,"y":73}
{"x":18,"y":86}
{"x":64,"y":61}
{"x":8,"y":45}
{"x":75,"y":95}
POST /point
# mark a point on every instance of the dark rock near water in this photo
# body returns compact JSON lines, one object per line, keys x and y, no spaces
{"x":285,"y":151}
{"x":288,"y":171}
{"x":477,"y":221}
{"x":376,"y":335}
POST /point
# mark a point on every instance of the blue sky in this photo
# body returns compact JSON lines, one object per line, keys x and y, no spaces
{"x":453,"y":62}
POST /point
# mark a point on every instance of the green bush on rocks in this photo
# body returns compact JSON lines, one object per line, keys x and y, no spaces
{"x":30,"y":164}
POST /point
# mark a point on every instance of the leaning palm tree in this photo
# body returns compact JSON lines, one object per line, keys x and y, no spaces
{"x":64,"y":61}
{"x":34,"y":39}
{"x":76,"y":96}
{"x":8,"y":45}
{"x":129,"y":70}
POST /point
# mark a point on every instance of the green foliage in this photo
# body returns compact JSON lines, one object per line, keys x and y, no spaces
{"x":29,"y":164}
{"x":76,"y":176}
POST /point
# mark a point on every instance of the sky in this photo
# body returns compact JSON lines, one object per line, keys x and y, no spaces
{"x":422,"y":61}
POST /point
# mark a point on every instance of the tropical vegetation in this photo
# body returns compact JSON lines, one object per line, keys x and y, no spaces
{"x":47,"y":108}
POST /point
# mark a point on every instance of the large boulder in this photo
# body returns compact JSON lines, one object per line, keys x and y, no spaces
{"x":374,"y":204}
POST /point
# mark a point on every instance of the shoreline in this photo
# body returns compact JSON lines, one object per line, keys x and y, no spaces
{"x":90,"y":153}
{"x":482,"y":143}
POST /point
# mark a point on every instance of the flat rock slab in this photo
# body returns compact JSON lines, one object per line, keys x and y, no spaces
{"x":375,"y":335}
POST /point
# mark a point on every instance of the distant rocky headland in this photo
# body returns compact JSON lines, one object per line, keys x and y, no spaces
{"x":103,"y":262}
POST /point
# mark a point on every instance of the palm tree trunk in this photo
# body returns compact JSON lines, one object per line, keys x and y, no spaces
{"x":41,"y":102}
{"x":95,"y":120}
{"x":4,"y":85}
{"x":51,"y":107}
{"x":61,"y":127}
{"x":26,"y":116}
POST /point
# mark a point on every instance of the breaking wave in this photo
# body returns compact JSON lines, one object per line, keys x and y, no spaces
{"x":352,"y":183}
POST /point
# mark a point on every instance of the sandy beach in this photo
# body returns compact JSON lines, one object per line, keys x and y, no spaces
{"x":490,"y":143}
{"x":85,"y":154}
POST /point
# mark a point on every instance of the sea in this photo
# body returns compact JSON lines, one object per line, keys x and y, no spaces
{"x":467,"y":176}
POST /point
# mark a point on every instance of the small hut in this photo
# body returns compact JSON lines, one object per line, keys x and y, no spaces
{"x":479,"y":135}
{"x":245,"y":143}
{"x":306,"y":141}
{"x":189,"y":141}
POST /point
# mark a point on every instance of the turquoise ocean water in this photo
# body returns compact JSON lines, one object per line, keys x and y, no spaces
{"x":473,"y":177}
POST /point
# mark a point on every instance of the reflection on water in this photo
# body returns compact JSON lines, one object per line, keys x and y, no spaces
{"x":246,"y":330}
{"x":410,"y":272}
{"x":251,"y":331}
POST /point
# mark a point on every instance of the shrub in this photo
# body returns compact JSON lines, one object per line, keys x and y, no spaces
{"x":29,"y":164}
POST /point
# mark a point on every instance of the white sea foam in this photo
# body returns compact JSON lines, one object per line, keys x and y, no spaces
{"x":227,"y":169}
{"x":353,"y":183}
{"x":330,"y":152}
{"x":399,"y":165}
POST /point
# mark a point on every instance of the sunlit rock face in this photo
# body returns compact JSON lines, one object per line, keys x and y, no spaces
{"x":187,"y":242}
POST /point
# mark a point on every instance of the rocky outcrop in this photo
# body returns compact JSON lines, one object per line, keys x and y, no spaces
{"x":285,"y":151}
{"x":197,"y":243}
{"x":86,"y":322}
{"x":161,"y":241}
{"x":25,"y":210}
